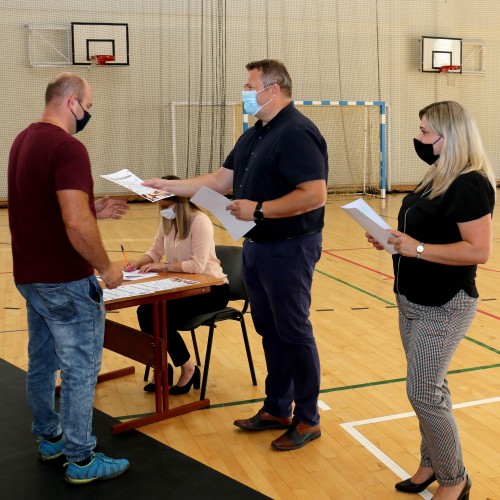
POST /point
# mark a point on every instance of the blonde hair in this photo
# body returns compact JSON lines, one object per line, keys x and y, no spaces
{"x":462,"y":150}
{"x":184,"y":214}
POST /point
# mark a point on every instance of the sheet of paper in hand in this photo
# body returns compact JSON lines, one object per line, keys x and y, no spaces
{"x":217,"y":203}
{"x":130,"y":181}
{"x":370,"y":221}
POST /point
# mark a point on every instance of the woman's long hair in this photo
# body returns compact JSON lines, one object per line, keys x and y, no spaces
{"x":462,"y":151}
{"x":184,"y":213}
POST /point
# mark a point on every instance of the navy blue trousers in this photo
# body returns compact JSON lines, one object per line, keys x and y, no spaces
{"x":278,"y":277}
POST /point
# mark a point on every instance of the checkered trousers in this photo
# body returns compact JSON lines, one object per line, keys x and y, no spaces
{"x":430,"y":336}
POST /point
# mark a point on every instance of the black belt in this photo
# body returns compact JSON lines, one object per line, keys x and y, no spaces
{"x":264,"y":240}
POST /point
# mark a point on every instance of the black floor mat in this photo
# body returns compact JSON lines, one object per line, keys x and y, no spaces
{"x":156,"y":471}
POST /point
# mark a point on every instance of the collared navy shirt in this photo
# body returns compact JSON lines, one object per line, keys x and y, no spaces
{"x":269,"y":161}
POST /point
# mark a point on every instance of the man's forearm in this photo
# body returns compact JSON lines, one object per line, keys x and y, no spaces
{"x":86,"y":240}
{"x":220,"y":181}
{"x":81,"y":228}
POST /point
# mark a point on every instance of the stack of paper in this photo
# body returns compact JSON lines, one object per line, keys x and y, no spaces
{"x":370,"y":221}
{"x":149,"y":287}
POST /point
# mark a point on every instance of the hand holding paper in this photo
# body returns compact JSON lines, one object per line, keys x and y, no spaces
{"x":370,"y":221}
{"x":216,"y":203}
{"x":130,"y":181}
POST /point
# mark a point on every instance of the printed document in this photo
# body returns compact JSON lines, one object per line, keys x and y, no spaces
{"x":130,"y":181}
{"x":370,"y":221}
{"x":217,"y":203}
{"x":146,"y":288}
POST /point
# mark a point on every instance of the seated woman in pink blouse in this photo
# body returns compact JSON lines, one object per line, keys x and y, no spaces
{"x":185,"y":237}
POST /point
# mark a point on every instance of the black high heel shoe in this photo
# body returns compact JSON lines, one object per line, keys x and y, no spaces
{"x":151,"y":387}
{"x":464,"y":495}
{"x":407,"y":486}
{"x":177,"y":390}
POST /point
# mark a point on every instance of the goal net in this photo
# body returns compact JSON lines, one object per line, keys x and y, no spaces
{"x":355,"y":135}
{"x":354,"y":132}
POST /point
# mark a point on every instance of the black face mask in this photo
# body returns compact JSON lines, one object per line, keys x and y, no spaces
{"x":80,"y":123}
{"x":426,"y":151}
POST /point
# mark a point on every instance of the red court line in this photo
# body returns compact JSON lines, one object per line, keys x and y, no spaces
{"x":391,"y":277}
{"x":349,"y":249}
{"x":488,"y":269}
{"x":488,"y":314}
{"x":358,"y":264}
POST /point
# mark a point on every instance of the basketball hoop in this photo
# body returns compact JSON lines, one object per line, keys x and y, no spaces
{"x":101,"y":60}
{"x":451,"y":72}
{"x":453,"y":69}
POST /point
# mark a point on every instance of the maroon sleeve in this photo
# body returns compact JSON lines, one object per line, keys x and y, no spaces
{"x":72,"y":169}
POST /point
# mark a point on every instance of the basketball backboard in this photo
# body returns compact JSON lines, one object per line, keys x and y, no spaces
{"x":90,"y":39}
{"x":438,"y":52}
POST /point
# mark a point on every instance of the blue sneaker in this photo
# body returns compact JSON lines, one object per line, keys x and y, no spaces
{"x":101,"y":467}
{"x":48,"y":450}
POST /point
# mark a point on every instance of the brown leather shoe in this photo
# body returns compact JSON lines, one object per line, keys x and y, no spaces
{"x":296,"y":436}
{"x":263,"y":421}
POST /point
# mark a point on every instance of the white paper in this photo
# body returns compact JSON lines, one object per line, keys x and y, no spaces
{"x":130,"y":181}
{"x":148,"y":287}
{"x":217,"y":203}
{"x":136,"y":275}
{"x":370,"y":221}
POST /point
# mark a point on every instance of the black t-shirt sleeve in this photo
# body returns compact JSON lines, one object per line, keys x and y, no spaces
{"x":469,"y":198}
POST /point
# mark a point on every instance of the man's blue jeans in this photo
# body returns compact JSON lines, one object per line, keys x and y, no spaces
{"x":66,"y":332}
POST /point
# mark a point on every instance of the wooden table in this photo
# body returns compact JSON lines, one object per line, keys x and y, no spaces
{"x":151,"y":350}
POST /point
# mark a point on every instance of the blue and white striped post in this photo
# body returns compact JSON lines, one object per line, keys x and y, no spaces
{"x":383,"y":137}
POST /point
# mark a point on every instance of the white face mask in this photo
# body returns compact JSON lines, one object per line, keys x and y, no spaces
{"x":168,"y":213}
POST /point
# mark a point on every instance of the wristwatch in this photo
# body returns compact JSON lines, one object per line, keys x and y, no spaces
{"x":258,"y":214}
{"x":420,"y":248}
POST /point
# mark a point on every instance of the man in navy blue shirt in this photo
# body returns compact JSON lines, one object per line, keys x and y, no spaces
{"x":277,"y":171}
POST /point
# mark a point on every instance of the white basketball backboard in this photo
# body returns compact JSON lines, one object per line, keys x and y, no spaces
{"x":438,"y":52}
{"x":90,"y":39}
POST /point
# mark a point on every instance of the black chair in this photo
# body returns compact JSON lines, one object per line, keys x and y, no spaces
{"x":230,"y":257}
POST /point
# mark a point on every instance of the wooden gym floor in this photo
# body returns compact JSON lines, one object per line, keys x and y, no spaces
{"x":369,"y":435}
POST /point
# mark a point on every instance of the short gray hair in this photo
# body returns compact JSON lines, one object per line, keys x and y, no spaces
{"x":273,"y":71}
{"x":64,"y":85}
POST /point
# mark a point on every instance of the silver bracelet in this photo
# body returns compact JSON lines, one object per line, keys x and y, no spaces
{"x":167,"y":266}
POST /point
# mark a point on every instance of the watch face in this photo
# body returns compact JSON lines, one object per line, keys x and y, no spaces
{"x":258,"y":215}
{"x":420,"y":248}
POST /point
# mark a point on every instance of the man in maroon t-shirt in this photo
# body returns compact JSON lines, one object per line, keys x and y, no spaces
{"x":56,"y":246}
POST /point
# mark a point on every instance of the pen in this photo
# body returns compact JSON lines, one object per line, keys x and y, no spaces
{"x":127,"y":265}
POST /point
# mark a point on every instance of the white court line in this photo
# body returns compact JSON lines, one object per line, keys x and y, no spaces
{"x":323,"y":406}
{"x":393,"y":466}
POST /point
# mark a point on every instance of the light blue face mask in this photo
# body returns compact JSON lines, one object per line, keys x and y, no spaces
{"x":250,"y":104}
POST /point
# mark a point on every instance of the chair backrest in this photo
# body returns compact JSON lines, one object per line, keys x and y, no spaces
{"x":230,"y":257}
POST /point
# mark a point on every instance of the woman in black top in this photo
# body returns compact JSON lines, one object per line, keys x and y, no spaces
{"x":444,"y":232}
